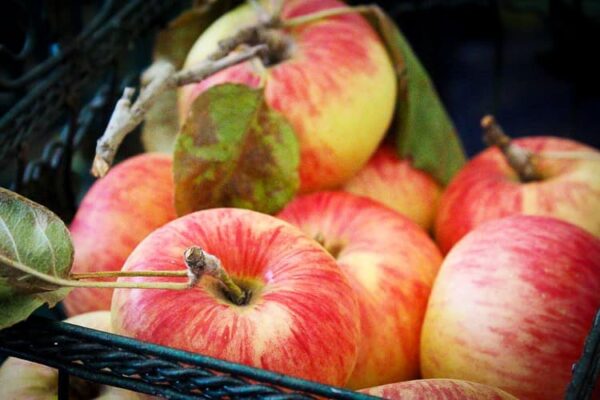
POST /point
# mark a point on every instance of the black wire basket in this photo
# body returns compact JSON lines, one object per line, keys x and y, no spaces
{"x":59,"y":80}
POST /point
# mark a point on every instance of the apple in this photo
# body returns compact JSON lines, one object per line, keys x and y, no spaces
{"x":299,"y":315}
{"x":438,"y":389}
{"x":332,"y":79}
{"x":487,"y":188}
{"x":118,"y":211}
{"x":391,"y":263}
{"x":397,"y":184}
{"x":21,"y":379}
{"x":512,"y":305}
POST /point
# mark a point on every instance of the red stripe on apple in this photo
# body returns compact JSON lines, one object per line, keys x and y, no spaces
{"x":512,"y":305}
{"x":391,"y":264}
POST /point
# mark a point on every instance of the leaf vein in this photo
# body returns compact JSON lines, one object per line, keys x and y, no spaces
{"x":12,"y":239}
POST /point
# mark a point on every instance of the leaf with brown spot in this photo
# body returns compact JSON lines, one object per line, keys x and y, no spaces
{"x":233,"y":151}
{"x":424,"y":131}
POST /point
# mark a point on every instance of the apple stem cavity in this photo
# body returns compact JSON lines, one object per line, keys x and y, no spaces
{"x":201,"y":263}
{"x":521,"y":160}
{"x":278,"y":44}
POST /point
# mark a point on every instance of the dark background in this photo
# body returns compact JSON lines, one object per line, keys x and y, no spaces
{"x":534,"y":64}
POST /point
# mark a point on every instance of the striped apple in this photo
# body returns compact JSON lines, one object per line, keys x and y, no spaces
{"x":487,"y":188}
{"x":391,"y":264}
{"x":331,"y":78}
{"x":118,"y":211}
{"x":512,"y":305}
{"x":438,"y":389}
{"x":397,"y":184}
{"x":300,"y":316}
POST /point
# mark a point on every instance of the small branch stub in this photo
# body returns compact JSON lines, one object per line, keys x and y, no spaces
{"x":520,"y":159}
{"x":160,"y":77}
{"x":201,"y":263}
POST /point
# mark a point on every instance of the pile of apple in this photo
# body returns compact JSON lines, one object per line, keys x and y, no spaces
{"x":375,"y":274}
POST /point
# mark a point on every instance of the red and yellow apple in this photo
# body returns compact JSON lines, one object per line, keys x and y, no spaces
{"x":25,"y":380}
{"x":438,"y":389}
{"x":487,"y":188}
{"x":118,"y":211}
{"x":397,"y":184}
{"x":331,"y":78}
{"x":300,"y":316}
{"x":512,"y":305}
{"x":391,"y":263}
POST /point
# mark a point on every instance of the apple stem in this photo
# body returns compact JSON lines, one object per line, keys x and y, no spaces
{"x":126,"y":274}
{"x":200,"y":263}
{"x":521,"y":160}
{"x":332,"y":12}
{"x":61,"y":282}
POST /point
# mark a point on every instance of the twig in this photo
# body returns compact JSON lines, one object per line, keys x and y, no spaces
{"x":60,"y":282}
{"x":521,"y":160}
{"x":125,"y":274}
{"x":161,"y":76}
{"x":328,"y":13}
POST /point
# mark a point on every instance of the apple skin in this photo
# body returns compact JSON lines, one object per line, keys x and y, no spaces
{"x":391,"y":263}
{"x":487,"y":188}
{"x":337,"y":89}
{"x":302,"y":319}
{"x":25,"y":380}
{"x":119,"y":210}
{"x":438,"y":389}
{"x":512,"y":305}
{"x":397,"y":184}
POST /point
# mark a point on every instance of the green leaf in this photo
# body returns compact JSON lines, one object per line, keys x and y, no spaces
{"x":32,"y":236}
{"x":424,"y":131}
{"x":233,"y":151}
{"x":16,"y":307}
{"x":173,"y":44}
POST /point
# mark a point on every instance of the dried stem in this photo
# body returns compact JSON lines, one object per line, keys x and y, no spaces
{"x":201,"y":263}
{"x":60,"y":282}
{"x":127,"y":274}
{"x":520,"y":159}
{"x":332,"y":12}
{"x":161,"y":76}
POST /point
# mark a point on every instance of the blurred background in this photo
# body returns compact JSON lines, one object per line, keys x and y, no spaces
{"x":533,"y":63}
